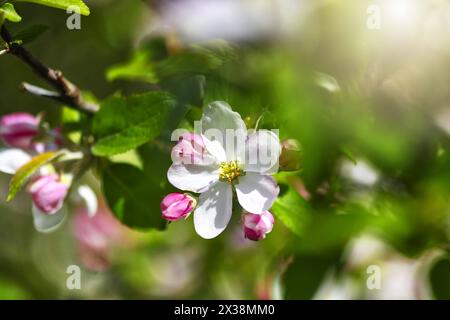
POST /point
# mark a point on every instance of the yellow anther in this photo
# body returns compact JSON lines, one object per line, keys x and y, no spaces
{"x":229,"y":171}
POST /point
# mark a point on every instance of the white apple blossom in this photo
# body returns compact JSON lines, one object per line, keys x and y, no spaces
{"x":244,"y":163}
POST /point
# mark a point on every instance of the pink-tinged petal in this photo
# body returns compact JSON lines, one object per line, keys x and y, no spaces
{"x":261,"y":152}
{"x":12,"y":159}
{"x":256,"y":193}
{"x":214,"y":210}
{"x":19,"y":129}
{"x":48,"y":193}
{"x":256,"y":226}
{"x":224,"y":130}
{"x":192,"y":177}
{"x":177,"y":206}
{"x":190,"y":149}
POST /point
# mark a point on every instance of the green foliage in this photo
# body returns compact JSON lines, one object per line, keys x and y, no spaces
{"x":293,"y":211}
{"x":134,"y":194}
{"x":9,"y":13}
{"x":123,"y":124}
{"x":439,"y":280}
{"x":27,"y":170}
{"x":147,"y":65}
{"x":137,"y":69}
{"x":62,"y":4}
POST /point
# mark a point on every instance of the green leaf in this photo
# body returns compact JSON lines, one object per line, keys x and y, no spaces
{"x":27,"y":170}
{"x":62,"y":4}
{"x":439,"y":280}
{"x":138,"y":68}
{"x":29,"y":34}
{"x":10,"y":13}
{"x":293,"y":211}
{"x":123,"y":124}
{"x":134,"y":195}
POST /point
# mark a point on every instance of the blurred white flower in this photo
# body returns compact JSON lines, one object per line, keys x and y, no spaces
{"x":233,"y":20}
{"x":364,"y":250}
{"x":360,"y":173}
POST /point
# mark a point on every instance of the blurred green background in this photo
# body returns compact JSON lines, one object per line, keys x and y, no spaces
{"x":369,"y":107}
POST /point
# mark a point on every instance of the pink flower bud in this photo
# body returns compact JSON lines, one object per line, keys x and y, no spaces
{"x":48,"y":193}
{"x":177,"y":206}
{"x":19,"y":129}
{"x":190,"y":149}
{"x":256,"y":226}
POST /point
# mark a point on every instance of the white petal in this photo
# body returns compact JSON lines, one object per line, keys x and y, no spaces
{"x":90,"y":199}
{"x":256,"y":193}
{"x":215,"y":149}
{"x":223,"y":126}
{"x":214,"y":210}
{"x":46,"y":223}
{"x":191,"y":177}
{"x":12,"y":159}
{"x":261,"y":152}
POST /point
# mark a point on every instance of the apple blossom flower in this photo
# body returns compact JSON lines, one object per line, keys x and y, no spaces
{"x":246,"y":166}
{"x":256,"y":226}
{"x":48,"y":193}
{"x":177,"y":206}
{"x":19,"y":129}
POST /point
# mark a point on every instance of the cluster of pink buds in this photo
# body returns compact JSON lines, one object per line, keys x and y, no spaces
{"x":178,"y":206}
{"x":20,"y":132}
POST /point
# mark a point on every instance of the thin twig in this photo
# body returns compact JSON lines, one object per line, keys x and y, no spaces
{"x":67,"y":91}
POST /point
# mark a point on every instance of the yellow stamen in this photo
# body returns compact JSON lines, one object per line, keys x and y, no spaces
{"x":229,"y":171}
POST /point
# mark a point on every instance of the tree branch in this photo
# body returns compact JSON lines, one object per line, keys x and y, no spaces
{"x":67,"y":92}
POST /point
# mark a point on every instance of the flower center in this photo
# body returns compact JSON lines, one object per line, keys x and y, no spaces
{"x":229,"y":171}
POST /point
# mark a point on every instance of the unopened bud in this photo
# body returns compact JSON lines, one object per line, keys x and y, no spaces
{"x":177,"y":206}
